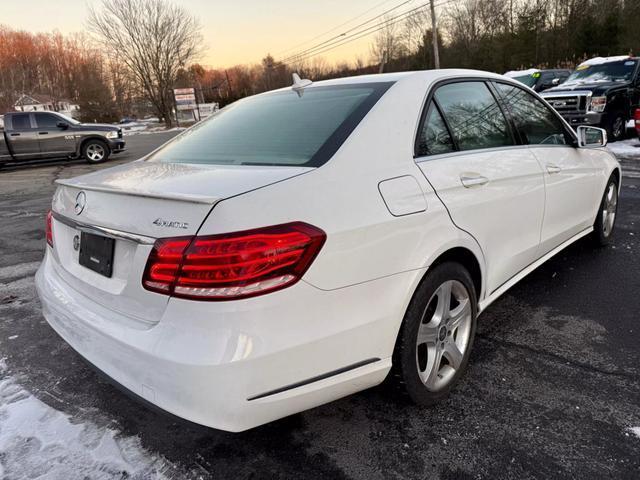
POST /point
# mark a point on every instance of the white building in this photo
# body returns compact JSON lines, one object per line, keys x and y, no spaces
{"x":42,"y":103}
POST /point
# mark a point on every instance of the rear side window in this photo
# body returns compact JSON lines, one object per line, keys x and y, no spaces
{"x":46,"y":120}
{"x":20,"y":121}
{"x":535,"y":122}
{"x":434,"y":136}
{"x":474,"y":116}
{"x":279,"y":128}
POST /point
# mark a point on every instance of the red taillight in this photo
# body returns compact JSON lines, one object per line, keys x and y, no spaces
{"x":636,"y":116}
{"x":232,"y":265}
{"x":49,"y":229}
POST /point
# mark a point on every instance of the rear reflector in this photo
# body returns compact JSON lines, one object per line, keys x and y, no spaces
{"x":49,"y":229}
{"x":232,"y":265}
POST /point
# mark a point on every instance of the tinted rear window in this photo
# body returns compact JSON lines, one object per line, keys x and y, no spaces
{"x":278,"y":128}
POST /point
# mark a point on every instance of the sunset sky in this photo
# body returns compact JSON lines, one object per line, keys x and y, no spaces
{"x":235,"y":31}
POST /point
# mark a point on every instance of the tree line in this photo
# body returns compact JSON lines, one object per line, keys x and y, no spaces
{"x":137,"y":51}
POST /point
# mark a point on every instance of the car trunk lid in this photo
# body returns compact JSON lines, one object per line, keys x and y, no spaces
{"x":134,"y":204}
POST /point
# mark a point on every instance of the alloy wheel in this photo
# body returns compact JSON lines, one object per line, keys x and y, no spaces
{"x":609,"y":208}
{"x":443,"y":335}
{"x":95,"y":152}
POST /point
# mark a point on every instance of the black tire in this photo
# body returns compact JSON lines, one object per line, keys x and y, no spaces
{"x":603,"y":231}
{"x":617,"y":127}
{"x":91,"y":151}
{"x":407,"y":354}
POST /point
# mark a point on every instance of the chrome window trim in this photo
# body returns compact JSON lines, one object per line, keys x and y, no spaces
{"x":105,"y":232}
{"x":428,"y":158}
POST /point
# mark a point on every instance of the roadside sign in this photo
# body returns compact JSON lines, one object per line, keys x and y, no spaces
{"x":185,"y":98}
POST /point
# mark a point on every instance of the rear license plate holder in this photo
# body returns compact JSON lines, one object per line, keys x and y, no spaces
{"x":96,"y":253}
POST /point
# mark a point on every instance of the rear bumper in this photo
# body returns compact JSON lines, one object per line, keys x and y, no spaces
{"x":237,"y":365}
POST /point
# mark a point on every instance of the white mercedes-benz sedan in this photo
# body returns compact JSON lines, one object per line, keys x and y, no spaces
{"x":302,"y":244}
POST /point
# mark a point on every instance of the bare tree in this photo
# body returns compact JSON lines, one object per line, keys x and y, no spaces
{"x":387,"y":44}
{"x":154,"y":39}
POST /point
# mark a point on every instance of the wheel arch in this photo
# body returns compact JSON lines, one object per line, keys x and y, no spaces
{"x":468,"y":260}
{"x":88,"y":138}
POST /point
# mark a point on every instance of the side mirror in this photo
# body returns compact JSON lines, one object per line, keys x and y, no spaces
{"x":62,"y":125}
{"x":555,"y":82}
{"x":591,"y":137}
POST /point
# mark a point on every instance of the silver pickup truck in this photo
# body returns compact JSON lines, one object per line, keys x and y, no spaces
{"x":50,"y":135}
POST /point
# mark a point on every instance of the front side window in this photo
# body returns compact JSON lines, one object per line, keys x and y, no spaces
{"x":279,"y":129}
{"x":434,"y":137}
{"x":20,"y":121}
{"x":46,"y":120}
{"x":473,"y":115}
{"x":535,"y":122}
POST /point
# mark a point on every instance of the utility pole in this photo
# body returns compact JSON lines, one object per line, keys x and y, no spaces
{"x":434,"y":34}
{"x":384,"y":60}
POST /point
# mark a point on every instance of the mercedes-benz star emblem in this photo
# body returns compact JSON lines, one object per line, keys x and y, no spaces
{"x":81,"y":201}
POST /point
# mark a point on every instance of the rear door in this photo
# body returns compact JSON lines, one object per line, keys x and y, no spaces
{"x":570,"y":174}
{"x":492,"y":187}
{"x":53,"y":140}
{"x":21,"y":135}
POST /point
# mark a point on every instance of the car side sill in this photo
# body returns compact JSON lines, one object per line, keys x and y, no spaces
{"x":526,"y":271}
{"x":317,"y":378}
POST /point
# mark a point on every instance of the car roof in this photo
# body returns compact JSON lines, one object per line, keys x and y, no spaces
{"x":426,"y":75}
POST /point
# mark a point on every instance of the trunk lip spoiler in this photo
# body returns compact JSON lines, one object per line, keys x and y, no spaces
{"x":185,"y":197}
{"x":104,"y":231}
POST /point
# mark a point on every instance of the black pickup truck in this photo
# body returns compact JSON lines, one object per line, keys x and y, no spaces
{"x":602,"y":92}
{"x":50,"y":135}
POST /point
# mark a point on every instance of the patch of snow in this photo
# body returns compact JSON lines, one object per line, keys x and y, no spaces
{"x":521,"y":73}
{"x":148,"y":131}
{"x":13,"y":337}
{"x":631,"y":124}
{"x":38,"y":441}
{"x":635,"y":431}
{"x":601,"y":60}
{"x":626,"y":148}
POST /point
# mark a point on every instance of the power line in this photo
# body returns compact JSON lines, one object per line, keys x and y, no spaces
{"x":344,"y":34}
{"x":363,"y":33}
{"x":334,"y":28}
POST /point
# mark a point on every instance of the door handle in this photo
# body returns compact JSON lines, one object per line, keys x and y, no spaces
{"x":43,"y":133}
{"x":14,"y":134}
{"x":470,"y":180}
{"x":551,"y":168}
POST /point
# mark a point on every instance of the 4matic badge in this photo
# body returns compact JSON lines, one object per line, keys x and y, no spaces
{"x":170,"y":223}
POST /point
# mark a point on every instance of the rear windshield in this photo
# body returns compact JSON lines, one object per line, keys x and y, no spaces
{"x":280,"y":128}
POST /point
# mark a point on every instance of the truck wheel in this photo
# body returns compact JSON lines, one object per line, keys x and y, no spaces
{"x":617,"y":127}
{"x":95,"y":151}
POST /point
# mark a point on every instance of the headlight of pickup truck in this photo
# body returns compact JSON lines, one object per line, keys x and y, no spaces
{"x":113,"y":134}
{"x":598,"y":104}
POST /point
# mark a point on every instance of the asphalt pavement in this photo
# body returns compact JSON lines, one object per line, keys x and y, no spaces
{"x":552,"y":390}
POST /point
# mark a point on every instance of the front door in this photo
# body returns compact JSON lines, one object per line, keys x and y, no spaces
{"x":54,"y":141}
{"x":570,"y":173}
{"x":492,"y":188}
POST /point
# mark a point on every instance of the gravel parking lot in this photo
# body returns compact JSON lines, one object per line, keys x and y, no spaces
{"x":553,"y":388}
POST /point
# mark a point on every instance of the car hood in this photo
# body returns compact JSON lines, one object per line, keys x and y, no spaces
{"x":98,"y":126}
{"x":598,"y":88}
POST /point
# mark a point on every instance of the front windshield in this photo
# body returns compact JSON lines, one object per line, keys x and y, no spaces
{"x":621,"y":71}
{"x":528,"y":80}
{"x":279,"y":129}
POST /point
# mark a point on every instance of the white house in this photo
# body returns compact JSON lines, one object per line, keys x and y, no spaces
{"x":39,"y":103}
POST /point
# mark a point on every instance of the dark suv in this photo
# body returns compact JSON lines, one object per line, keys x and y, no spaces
{"x":540,"y":80}
{"x":602,"y":92}
{"x":50,"y":135}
